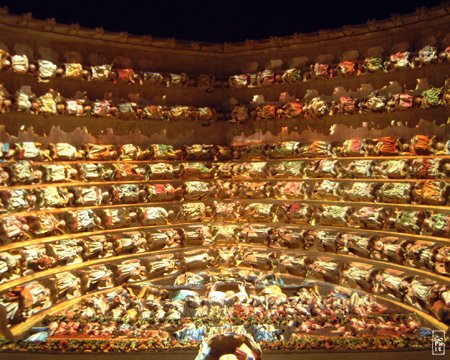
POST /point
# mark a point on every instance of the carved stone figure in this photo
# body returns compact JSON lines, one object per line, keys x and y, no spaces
{"x":96,"y":277}
{"x":66,"y":285}
{"x":82,"y":220}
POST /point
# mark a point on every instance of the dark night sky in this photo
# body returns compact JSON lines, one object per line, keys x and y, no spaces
{"x":214,"y":20}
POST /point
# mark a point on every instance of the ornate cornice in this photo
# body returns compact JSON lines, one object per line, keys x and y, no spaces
{"x":421,"y":15}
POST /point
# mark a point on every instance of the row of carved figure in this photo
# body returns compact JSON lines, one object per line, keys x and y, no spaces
{"x":427,"y":192}
{"x":401,"y":60}
{"x":136,"y":107}
{"x":38,"y":225}
{"x":25,"y":172}
{"x":46,"y":70}
{"x":335,"y":313}
{"x":24,"y":300}
{"x":382,"y":146}
{"x":314,"y":105}
{"x":53,"y":103}
{"x":27,"y":260}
